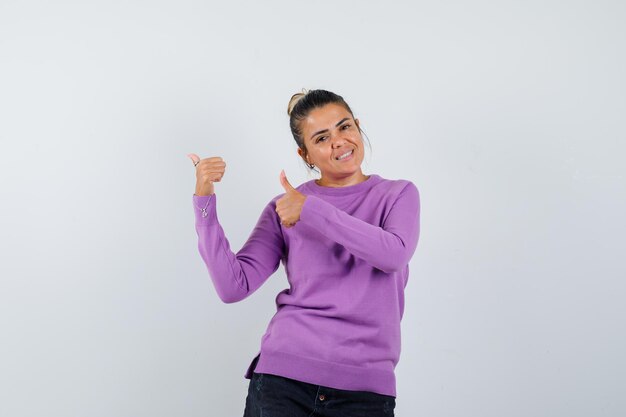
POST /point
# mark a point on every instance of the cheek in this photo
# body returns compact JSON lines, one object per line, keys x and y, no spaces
{"x":320,"y":155}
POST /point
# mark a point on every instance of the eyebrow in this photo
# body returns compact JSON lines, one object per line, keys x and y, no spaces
{"x":326,"y":130}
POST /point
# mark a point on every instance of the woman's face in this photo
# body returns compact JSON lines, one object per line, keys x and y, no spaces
{"x":328,"y":133}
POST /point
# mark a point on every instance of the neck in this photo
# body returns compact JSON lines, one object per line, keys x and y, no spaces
{"x":353,"y":179}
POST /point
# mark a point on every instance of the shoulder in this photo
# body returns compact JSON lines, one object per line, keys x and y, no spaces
{"x":396,"y":187}
{"x":402,"y":196}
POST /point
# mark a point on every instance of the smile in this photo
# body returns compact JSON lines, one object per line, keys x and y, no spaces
{"x":345,"y":156}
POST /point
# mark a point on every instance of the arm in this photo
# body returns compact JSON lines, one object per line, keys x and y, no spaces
{"x":388,"y":248}
{"x":236,"y":276}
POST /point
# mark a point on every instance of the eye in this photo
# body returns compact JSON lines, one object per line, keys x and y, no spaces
{"x":344,"y":126}
{"x":320,"y":138}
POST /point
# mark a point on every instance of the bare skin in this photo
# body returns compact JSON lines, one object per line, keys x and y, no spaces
{"x":334,"y":140}
{"x":208,"y":171}
{"x":289,"y":206}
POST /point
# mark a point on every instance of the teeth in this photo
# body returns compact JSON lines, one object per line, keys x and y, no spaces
{"x":344,"y":155}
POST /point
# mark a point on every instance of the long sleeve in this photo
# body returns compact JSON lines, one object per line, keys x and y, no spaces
{"x":237,"y":275}
{"x":388,"y":248}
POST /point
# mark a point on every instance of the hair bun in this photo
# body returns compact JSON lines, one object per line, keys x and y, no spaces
{"x":295,"y":99}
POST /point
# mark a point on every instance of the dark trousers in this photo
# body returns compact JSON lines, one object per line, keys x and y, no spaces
{"x":277,"y":396}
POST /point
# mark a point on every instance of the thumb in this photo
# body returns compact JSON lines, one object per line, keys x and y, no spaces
{"x":194,"y":158}
{"x":284,"y":182}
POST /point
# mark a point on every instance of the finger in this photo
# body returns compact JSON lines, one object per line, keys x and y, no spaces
{"x":213,"y":166}
{"x":284,"y":182}
{"x":194,"y":158}
{"x":214,"y":160}
{"x":215,"y":177}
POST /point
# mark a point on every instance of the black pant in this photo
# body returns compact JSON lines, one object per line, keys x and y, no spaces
{"x":277,"y":396}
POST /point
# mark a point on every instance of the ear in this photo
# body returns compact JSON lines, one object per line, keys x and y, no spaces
{"x":356,"y":121}
{"x":301,"y":153}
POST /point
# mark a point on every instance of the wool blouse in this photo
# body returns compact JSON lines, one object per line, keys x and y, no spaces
{"x":347,"y":265}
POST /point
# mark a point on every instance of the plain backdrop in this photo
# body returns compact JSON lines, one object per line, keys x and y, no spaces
{"x":507,"y":115}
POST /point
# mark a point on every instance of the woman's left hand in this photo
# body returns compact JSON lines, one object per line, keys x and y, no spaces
{"x":289,"y":206}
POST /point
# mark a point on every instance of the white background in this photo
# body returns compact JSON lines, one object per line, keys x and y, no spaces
{"x":508,"y":116}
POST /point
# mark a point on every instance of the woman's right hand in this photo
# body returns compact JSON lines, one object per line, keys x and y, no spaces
{"x":208,"y":171}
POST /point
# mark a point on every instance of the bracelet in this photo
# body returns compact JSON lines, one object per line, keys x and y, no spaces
{"x":204,"y":212}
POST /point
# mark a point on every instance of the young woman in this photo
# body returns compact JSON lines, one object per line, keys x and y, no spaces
{"x":345,"y":241}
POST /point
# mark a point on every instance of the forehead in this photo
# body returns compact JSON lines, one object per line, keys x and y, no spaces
{"x":325,"y":117}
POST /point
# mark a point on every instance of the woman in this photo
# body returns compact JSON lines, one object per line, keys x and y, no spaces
{"x":345,"y":241}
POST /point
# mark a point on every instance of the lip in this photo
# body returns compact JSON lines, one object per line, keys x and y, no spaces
{"x":346,"y":158}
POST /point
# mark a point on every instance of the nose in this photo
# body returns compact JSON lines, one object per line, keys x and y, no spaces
{"x":337,"y":141}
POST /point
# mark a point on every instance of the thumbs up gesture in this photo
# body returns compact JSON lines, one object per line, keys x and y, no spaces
{"x":208,"y":171}
{"x":289,"y":206}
